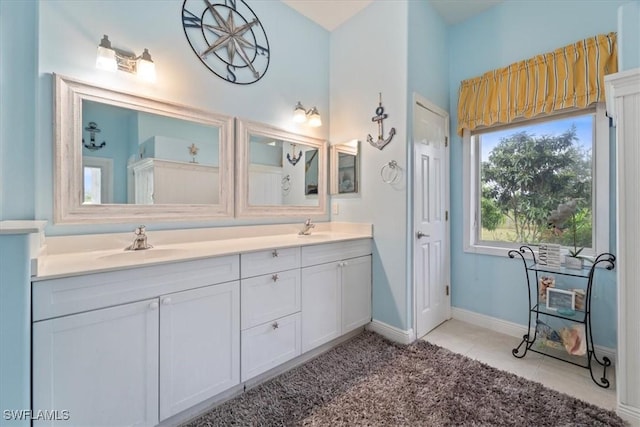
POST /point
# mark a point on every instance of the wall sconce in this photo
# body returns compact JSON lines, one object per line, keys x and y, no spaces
{"x":111,"y":59}
{"x":93,"y":129}
{"x":301,"y":115}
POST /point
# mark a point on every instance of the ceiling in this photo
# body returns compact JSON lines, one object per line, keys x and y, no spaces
{"x":331,"y":13}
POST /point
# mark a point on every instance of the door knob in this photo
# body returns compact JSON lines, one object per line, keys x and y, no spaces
{"x":420,"y":235}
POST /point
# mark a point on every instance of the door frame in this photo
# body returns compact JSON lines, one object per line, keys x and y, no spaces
{"x":420,"y":101}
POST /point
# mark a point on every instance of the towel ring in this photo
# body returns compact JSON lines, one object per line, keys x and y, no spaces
{"x":286,"y":183}
{"x":390,"y":172}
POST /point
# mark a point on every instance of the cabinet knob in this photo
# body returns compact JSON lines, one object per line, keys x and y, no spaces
{"x":166,"y":301}
{"x":153,"y":305}
{"x":275,"y":325}
{"x":275,"y":253}
{"x":275,"y":277}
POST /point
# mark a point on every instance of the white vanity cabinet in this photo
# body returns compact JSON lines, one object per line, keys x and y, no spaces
{"x":270,"y":288}
{"x":167,"y":339}
{"x":336,"y":290}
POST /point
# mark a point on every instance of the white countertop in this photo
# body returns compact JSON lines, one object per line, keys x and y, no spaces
{"x":76,"y":255}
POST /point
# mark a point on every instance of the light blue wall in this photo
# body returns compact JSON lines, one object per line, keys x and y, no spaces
{"x":629,"y":32}
{"x":15,"y":325}
{"x":509,"y":32}
{"x":395,"y":48}
{"x":18,"y":112}
{"x":69,"y":32}
{"x":369,"y":56}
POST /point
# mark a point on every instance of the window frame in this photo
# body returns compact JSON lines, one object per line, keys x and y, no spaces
{"x":600,"y":176}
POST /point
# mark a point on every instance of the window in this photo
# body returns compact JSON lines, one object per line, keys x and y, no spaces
{"x":97,"y":180}
{"x":516,"y":175}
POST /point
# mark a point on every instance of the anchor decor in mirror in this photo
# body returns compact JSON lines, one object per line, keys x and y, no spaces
{"x":270,"y":183}
{"x":228,"y":38}
{"x":162,"y":162}
{"x":92,"y":128}
{"x":379,"y":117}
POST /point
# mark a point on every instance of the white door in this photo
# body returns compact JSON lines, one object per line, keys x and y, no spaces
{"x":101,"y":366}
{"x":199,"y":345}
{"x":431,"y":225}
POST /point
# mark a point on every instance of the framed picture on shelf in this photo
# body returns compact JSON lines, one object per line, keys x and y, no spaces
{"x":559,"y":299}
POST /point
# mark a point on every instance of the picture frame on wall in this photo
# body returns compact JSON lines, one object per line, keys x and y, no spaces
{"x":560,"y":299}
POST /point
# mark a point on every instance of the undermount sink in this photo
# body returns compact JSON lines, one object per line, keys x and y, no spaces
{"x":146,"y":254}
{"x":314,"y":236}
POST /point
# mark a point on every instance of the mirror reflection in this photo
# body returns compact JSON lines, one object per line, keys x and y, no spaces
{"x":282,"y":172}
{"x":137,"y":157}
{"x":279,"y":172}
{"x":345,"y":167}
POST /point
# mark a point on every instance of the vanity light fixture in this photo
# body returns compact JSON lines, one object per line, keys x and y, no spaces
{"x":112,"y":59}
{"x":301,"y":115}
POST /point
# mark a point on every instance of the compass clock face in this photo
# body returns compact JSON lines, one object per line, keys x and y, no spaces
{"x":228,"y":38}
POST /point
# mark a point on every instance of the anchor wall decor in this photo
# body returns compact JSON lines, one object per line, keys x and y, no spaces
{"x":379,"y":117}
{"x":93,"y":129}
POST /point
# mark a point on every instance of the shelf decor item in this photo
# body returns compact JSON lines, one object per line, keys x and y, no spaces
{"x":563,"y":218}
{"x":559,"y":299}
{"x":549,"y":255}
{"x":544,"y":283}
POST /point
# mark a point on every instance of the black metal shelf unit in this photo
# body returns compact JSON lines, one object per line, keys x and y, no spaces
{"x":536,"y":309}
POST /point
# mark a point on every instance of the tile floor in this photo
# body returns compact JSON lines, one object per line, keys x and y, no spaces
{"x":494,"y":349}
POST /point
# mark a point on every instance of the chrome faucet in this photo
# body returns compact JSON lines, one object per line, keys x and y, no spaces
{"x":306,"y":228}
{"x":140,"y":241}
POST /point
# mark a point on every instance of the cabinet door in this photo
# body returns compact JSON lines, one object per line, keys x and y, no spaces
{"x":320,"y":305}
{"x":199,"y":345}
{"x":101,"y":366}
{"x":356,"y":292}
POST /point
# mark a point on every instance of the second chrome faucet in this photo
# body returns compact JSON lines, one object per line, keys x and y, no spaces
{"x":306,"y":228}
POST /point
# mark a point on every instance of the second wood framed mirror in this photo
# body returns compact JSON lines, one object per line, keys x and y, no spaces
{"x":279,"y":173}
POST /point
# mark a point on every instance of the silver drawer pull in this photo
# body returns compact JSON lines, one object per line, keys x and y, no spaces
{"x":275,"y":325}
{"x":275,"y":277}
{"x":153,"y":305}
{"x":275,"y":253}
{"x":166,"y":301}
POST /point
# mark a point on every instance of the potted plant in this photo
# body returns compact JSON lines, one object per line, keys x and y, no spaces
{"x":562,"y":219}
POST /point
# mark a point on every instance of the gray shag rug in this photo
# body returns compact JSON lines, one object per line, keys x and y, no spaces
{"x":369,"y":381}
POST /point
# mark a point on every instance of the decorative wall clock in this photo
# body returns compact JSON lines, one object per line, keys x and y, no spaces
{"x":228,"y":38}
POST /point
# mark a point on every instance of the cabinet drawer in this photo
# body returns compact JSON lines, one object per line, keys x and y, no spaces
{"x":269,"y":345}
{"x":320,"y":254}
{"x":270,"y":261}
{"x":269,"y":297}
{"x":60,"y":297}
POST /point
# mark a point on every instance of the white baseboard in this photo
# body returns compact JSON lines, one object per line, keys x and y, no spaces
{"x":391,"y":332}
{"x":513,"y":329}
{"x":630,"y":414}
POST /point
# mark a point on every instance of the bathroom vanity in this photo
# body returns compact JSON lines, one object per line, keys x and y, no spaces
{"x":136,"y":337}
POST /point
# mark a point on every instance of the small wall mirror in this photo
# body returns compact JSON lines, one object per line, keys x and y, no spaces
{"x":345,"y":167}
{"x":121,"y":157}
{"x":279,"y":173}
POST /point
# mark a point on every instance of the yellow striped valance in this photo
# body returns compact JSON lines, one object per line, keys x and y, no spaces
{"x":572,"y":76}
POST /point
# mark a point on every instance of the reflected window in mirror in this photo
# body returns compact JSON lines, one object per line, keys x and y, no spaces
{"x":120,"y":157}
{"x":279,"y":173}
{"x":345,"y":168}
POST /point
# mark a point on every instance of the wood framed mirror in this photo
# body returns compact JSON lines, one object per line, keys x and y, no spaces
{"x":279,"y":173}
{"x":344,"y":160}
{"x":120,"y":157}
